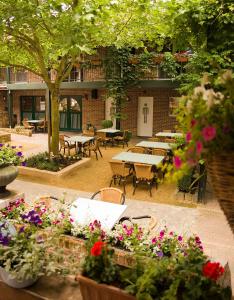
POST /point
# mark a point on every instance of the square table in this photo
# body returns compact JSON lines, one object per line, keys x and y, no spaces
{"x":109,"y":130}
{"x":155,"y":145}
{"x":149,"y":159}
{"x":35,"y":123}
{"x":80,"y":140}
{"x":84,"y":211}
{"x":169,"y":134}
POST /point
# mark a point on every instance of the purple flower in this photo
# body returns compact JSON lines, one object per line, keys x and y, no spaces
{"x":1,"y":145}
{"x":23,"y":163}
{"x":159,"y":254}
{"x":21,"y":229}
{"x":13,"y":147}
{"x":4,"y":240}
{"x":20,"y":154}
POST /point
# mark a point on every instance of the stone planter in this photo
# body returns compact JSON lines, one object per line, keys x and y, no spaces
{"x":90,"y":289}
{"x":6,"y":277}
{"x":7,"y":175}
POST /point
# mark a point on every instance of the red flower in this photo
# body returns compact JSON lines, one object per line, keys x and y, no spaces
{"x":188,"y":136}
{"x":96,"y":250}
{"x":208,"y":133}
{"x":177,"y":162}
{"x":212,"y":270}
{"x":193,"y":122}
{"x":199,"y":147}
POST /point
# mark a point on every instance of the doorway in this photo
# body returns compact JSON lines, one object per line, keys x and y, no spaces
{"x":70,"y":111}
{"x":32,"y":107}
{"x":145,"y":116}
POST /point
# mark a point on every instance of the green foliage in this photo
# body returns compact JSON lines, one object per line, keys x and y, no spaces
{"x":107,"y":124}
{"x":42,"y":161}
{"x":169,"y":65}
{"x":185,"y":182}
{"x":10,"y":155}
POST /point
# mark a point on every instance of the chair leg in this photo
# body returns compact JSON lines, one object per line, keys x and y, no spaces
{"x":96,"y":155}
{"x":150,"y":188}
{"x":135,"y":186}
{"x":124,"y":184}
{"x":100,"y":151}
{"x":111,"y":182}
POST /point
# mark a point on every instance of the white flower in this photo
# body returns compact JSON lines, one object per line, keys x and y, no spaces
{"x":199,"y":90}
{"x":189,"y":105}
{"x":209,"y":97}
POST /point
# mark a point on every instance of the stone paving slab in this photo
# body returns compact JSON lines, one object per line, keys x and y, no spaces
{"x":208,"y":221}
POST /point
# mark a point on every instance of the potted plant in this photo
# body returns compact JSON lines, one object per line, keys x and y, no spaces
{"x":10,"y":157}
{"x":158,"y":58}
{"x":207,"y":116}
{"x":181,"y":57}
{"x":23,"y":255}
{"x":107,"y":123}
{"x":99,"y":270}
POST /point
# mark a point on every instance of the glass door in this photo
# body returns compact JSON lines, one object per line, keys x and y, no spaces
{"x":70,"y":110}
{"x":32,"y":107}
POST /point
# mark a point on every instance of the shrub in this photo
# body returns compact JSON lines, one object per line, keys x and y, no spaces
{"x":107,"y":123}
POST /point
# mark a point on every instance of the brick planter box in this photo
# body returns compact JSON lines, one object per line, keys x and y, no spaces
{"x":5,"y":137}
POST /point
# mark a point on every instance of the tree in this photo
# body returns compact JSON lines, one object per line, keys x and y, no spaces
{"x":48,"y":36}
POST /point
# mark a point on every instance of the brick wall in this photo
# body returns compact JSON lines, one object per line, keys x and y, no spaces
{"x":93,"y":110}
{"x":4,"y":121}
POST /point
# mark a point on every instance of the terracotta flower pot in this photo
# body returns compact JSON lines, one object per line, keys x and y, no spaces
{"x":7,"y":175}
{"x":158,"y":58}
{"x":221,"y":171}
{"x":181,"y":58}
{"x":90,"y":289}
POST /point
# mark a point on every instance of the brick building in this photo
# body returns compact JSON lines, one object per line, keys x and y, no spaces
{"x":82,"y":100}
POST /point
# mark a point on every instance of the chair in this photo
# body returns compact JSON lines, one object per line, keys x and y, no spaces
{"x":123,"y":139}
{"x":143,"y":173}
{"x":89,"y":132}
{"x":65,"y":144}
{"x":110,"y":194}
{"x":120,"y":172}
{"x":27,"y":125}
{"x":43,"y":125}
{"x":137,"y":150}
{"x":169,"y":140}
{"x":93,"y":147}
{"x":103,"y":138}
{"x":167,"y":131}
{"x":155,"y":139}
{"x":161,"y":152}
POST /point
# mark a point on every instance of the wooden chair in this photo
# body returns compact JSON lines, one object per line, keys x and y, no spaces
{"x":137,"y":150}
{"x":27,"y":125}
{"x":43,"y":125}
{"x":154,"y":139}
{"x":103,"y":138}
{"x":89,"y":132}
{"x":121,"y":172}
{"x":123,"y":139}
{"x":161,"y":152}
{"x":169,"y":140}
{"x":144,"y":174}
{"x":93,"y":147}
{"x":65,"y":144}
{"x":110,"y":194}
{"x":167,"y":130}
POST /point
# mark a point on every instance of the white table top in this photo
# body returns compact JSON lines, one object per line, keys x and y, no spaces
{"x":84,"y":211}
{"x":80,"y":139}
{"x":139,"y":158}
{"x":109,"y":130}
{"x":169,"y":134}
{"x":35,"y":121}
{"x":155,"y":145}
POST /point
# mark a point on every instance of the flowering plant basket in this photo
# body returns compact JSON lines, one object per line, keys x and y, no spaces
{"x":207,"y":116}
{"x":10,"y":155}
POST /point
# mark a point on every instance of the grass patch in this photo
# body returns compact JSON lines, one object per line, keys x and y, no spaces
{"x":42,"y":161}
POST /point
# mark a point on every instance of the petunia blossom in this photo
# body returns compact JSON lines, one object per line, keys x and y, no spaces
{"x":209,"y":133}
{"x":199,"y":147}
{"x":177,"y":162}
{"x":188,"y":136}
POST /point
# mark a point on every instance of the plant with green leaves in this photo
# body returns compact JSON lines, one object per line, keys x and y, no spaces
{"x":10,"y":155}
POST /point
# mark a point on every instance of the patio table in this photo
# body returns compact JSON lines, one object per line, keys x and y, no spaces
{"x":169,"y":134}
{"x":130,"y":157}
{"x":80,"y":140}
{"x":84,"y":211}
{"x":35,"y":123}
{"x":109,"y":130}
{"x":155,"y":145}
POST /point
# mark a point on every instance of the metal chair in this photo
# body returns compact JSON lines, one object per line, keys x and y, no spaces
{"x":110,"y":194}
{"x":120,"y":173}
{"x":143,"y":173}
{"x":123,"y":139}
{"x":93,"y":147}
{"x":65,"y":144}
{"x":137,"y":150}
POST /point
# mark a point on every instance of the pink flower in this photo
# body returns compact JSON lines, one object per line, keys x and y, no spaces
{"x":199,"y":147}
{"x":177,"y":162}
{"x":208,"y":133}
{"x":193,"y":122}
{"x":154,"y":240}
{"x":188,"y":136}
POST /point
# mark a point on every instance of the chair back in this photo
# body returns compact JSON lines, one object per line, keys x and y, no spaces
{"x":102,"y":135}
{"x":111,"y":195}
{"x":155,"y":139}
{"x":169,"y":140}
{"x":161,"y":152}
{"x":62,"y":140}
{"x":25,"y":124}
{"x":89,"y":132}
{"x":118,"y":168}
{"x":143,"y":171}
{"x":136,"y":150}
{"x":167,"y":130}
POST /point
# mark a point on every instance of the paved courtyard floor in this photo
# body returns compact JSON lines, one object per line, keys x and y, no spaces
{"x":206,"y":220}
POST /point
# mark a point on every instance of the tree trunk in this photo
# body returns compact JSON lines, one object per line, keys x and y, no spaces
{"x":55,"y":121}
